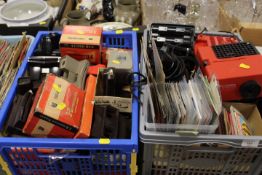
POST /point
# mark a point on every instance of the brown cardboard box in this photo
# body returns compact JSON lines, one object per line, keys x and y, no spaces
{"x":252,"y":115}
{"x":123,"y":104}
{"x":250,"y":32}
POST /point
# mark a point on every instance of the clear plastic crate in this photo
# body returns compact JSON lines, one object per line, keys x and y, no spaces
{"x":171,"y":128}
{"x":181,"y":128}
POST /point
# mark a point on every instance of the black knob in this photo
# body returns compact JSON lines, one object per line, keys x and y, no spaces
{"x":108,"y":10}
{"x":181,"y":8}
{"x":46,"y":46}
{"x":250,"y":89}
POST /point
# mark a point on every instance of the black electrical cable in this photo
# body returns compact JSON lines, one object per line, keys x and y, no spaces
{"x":185,"y":54}
{"x":190,"y":62}
{"x":178,"y":50}
{"x":140,"y":81}
{"x":174,"y":68}
{"x":137,"y":84}
{"x":178,"y":61}
{"x":204,"y":30}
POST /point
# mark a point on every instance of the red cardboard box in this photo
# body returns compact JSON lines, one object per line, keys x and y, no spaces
{"x":81,"y":42}
{"x":57,"y":109}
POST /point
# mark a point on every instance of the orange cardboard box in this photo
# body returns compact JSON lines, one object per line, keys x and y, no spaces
{"x":81,"y":42}
{"x":57,"y":109}
{"x":86,"y":121}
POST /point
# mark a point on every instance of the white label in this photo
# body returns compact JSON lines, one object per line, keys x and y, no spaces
{"x":179,"y":40}
{"x":250,"y":143}
{"x":45,"y":70}
{"x":123,"y":104}
{"x":162,"y":28}
{"x":154,"y":34}
{"x":161,"y":39}
{"x":180,"y":30}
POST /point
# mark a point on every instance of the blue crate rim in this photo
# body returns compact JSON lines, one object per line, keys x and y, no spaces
{"x":89,"y":143}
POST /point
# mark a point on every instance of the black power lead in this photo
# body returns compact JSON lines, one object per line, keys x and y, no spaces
{"x":174,"y":68}
{"x":178,"y":61}
{"x":137,"y":84}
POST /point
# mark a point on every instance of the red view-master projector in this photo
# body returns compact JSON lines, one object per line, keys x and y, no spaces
{"x":237,"y":65}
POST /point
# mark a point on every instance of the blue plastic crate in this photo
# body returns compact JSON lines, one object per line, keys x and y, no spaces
{"x":52,"y":156}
